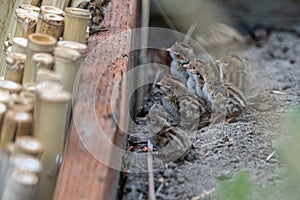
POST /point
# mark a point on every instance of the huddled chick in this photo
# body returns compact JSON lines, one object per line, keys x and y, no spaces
{"x":196,"y":87}
{"x":194,"y":95}
{"x":171,"y":141}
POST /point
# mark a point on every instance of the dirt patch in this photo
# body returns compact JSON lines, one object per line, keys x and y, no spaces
{"x":223,"y":149}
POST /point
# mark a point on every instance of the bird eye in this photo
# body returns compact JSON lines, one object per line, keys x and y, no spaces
{"x":168,"y":85}
{"x":153,"y":121}
{"x":186,"y":62}
{"x":225,"y":62}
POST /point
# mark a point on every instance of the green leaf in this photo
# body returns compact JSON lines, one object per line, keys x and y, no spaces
{"x":289,"y":147}
{"x":239,"y":188}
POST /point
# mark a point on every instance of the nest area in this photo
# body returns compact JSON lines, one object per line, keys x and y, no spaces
{"x":222,"y":150}
{"x":188,"y":109}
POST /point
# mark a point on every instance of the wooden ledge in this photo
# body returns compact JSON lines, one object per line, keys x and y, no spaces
{"x":82,"y":176}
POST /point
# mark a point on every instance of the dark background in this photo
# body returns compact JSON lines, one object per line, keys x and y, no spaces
{"x":243,"y":15}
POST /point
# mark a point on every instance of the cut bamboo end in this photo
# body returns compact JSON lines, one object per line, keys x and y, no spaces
{"x":41,"y":42}
{"x":26,"y":162}
{"x":19,"y":45}
{"x":30,"y":7}
{"x":67,"y":63}
{"x":14,"y":70}
{"x":26,"y":22}
{"x":21,"y":185}
{"x":76,"y":22}
{"x":43,"y":60}
{"x":51,"y":10}
{"x":37,"y":43}
{"x":51,"y":24}
{"x":15,"y":123}
{"x":10,"y":86}
{"x":29,"y":145}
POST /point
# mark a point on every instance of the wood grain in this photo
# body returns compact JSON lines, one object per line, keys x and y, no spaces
{"x":82,"y":175}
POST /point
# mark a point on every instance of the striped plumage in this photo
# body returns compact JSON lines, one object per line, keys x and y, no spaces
{"x":234,"y":70}
{"x":178,"y":71}
{"x":170,"y":104}
{"x":171,"y":85}
{"x":227,"y":101}
{"x":171,"y":142}
{"x":191,"y":110}
{"x":181,"y":51}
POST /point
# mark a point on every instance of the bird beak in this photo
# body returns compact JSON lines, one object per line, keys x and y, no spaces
{"x":159,"y":84}
{"x":187,"y":65}
{"x":168,"y":49}
{"x":218,"y":62}
{"x":146,"y":118}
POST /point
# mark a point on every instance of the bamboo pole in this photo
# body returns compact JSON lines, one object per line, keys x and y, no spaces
{"x":50,"y":127}
{"x":37,"y":43}
{"x":76,"y":22}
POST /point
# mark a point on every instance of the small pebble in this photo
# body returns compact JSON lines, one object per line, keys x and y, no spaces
{"x":168,"y":173}
{"x":171,"y":165}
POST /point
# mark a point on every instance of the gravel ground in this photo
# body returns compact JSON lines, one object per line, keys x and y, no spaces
{"x":222,"y":150}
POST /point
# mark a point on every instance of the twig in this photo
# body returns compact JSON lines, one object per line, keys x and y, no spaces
{"x":151,"y":189}
{"x":277,"y":92}
{"x":159,"y":188}
{"x":205,"y":145}
{"x":156,"y":77}
{"x":164,"y":15}
{"x":190,"y":33}
{"x":270,"y":156}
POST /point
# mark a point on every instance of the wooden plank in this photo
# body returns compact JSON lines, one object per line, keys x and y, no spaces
{"x":82,"y":175}
{"x":7,"y":23}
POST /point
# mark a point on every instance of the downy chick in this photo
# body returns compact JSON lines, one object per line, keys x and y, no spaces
{"x":234,"y":70}
{"x":227,"y":102}
{"x":181,"y":51}
{"x":170,"y":141}
{"x":177,"y":70}
{"x":191,"y":110}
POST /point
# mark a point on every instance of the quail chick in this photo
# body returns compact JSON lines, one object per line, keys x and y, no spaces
{"x":230,"y":62}
{"x":200,"y":74}
{"x":170,"y":104}
{"x":181,"y":51}
{"x":191,"y":110}
{"x":225,"y":99}
{"x":210,"y":72}
{"x":191,"y":83}
{"x":158,"y":109}
{"x":172,"y":89}
{"x":172,"y":86}
{"x":195,"y":81}
{"x":177,"y":70}
{"x":227,"y":102}
{"x":170,"y":141}
{"x":169,"y":107}
{"x":98,"y":11}
{"x":234,"y":70}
